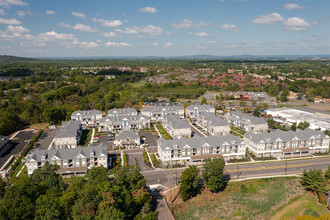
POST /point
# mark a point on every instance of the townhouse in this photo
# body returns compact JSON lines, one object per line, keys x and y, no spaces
{"x":287,"y":143}
{"x":70,"y":160}
{"x":128,"y":139}
{"x":176,"y":127}
{"x":119,"y":112}
{"x":158,"y":113}
{"x":123,"y":123}
{"x":194,"y":150}
{"x":193,"y":111}
{"x":87,"y":117}
{"x":68,"y":135}
{"x":213,"y":124}
{"x":246,"y":122}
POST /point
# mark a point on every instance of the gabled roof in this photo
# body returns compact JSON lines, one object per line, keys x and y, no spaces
{"x":68,"y":129}
{"x":199,"y":142}
{"x":252,"y":119}
{"x":213,"y":119}
{"x":68,"y":153}
{"x":176,"y":122}
{"x":87,"y":112}
{"x":285,"y":136}
{"x":120,"y":118}
{"x":122,"y":111}
{"x":200,"y":107}
{"x":161,"y":108}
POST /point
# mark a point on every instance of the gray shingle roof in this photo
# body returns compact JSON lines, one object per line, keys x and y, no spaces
{"x":120,"y":118}
{"x":213,"y":119}
{"x":200,"y":107}
{"x":122,"y":111}
{"x":127,"y":135}
{"x":159,"y":109}
{"x":285,"y":136}
{"x":68,"y":129}
{"x":198,"y":142}
{"x":69,"y":153}
{"x":87,"y":112}
{"x":176,"y":122}
{"x":254,"y":120}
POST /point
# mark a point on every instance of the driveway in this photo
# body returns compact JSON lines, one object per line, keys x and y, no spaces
{"x":151,"y":138}
{"x":135,"y":158}
{"x":17,"y":145}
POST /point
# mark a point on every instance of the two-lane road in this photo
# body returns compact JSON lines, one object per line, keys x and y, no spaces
{"x":246,"y":170}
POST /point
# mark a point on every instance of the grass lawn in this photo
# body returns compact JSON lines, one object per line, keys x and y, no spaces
{"x":251,"y":199}
{"x":306,"y":204}
{"x":163,"y":132}
{"x":138,"y":84}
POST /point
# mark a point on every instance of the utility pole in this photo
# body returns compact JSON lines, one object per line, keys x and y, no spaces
{"x":237,"y":171}
{"x":286,"y":165}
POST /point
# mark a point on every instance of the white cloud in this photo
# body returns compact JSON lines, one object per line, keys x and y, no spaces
{"x":185,"y":23}
{"x":168,"y":44}
{"x":49,"y":12}
{"x":9,"y":21}
{"x":79,"y":14}
{"x":268,"y":19}
{"x":108,"y":23}
{"x":78,"y":27}
{"x":85,"y":44}
{"x":115,"y":44}
{"x":21,"y":14}
{"x":8,"y":3}
{"x":2,"y":11}
{"x":109,"y":34}
{"x":308,"y":39}
{"x":199,"y":34}
{"x":296,"y":24}
{"x":52,"y":36}
{"x":149,"y":29}
{"x":155,"y":44}
{"x":293,"y":6}
{"x":17,"y":29}
{"x":229,"y":27}
{"x":148,"y":9}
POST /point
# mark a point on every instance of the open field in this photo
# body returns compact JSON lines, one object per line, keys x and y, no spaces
{"x":307,"y":204}
{"x":252,"y":199}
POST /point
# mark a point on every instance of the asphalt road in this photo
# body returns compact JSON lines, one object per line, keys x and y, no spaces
{"x":197,"y":132}
{"x":45,"y":142}
{"x":17,"y":145}
{"x":244,"y":171}
{"x":151,"y":138}
{"x":135,"y":158}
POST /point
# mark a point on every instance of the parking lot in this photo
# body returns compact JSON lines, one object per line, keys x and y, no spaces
{"x":45,"y":141}
{"x":135,"y":158}
{"x":17,"y":145}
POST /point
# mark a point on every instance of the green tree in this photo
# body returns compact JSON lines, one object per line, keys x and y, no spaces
{"x":2,"y":189}
{"x":189,"y":183}
{"x":256,"y":113}
{"x":48,"y":206}
{"x":204,"y":101}
{"x":303,"y":125}
{"x":284,"y":96}
{"x":213,"y":174}
{"x":294,"y":127}
{"x":314,"y":181}
{"x":327,"y":173}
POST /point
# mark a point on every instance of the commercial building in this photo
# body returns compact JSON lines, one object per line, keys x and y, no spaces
{"x":176,"y":127}
{"x":70,"y":160}
{"x":213,"y":124}
{"x":246,"y":122}
{"x":124,"y":123}
{"x":289,"y":116}
{"x":128,"y":139}
{"x":68,"y":135}
{"x":194,"y":150}
{"x":88,"y":117}
{"x":158,"y":113}
{"x":193,"y":111}
{"x":287,"y":143}
{"x":119,"y":112}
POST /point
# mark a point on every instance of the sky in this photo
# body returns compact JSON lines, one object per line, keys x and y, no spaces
{"x":85,"y":28}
